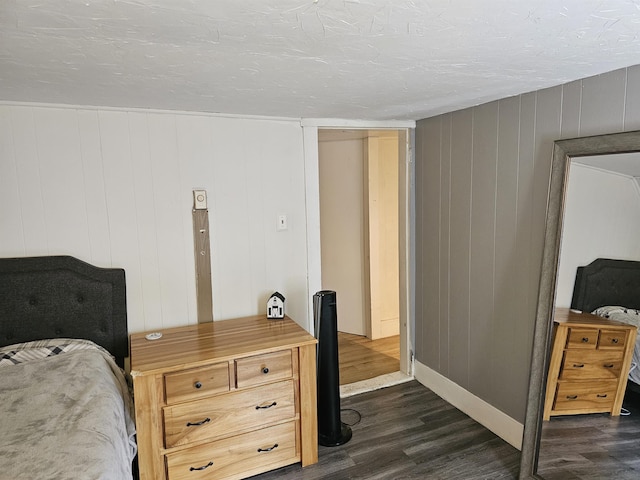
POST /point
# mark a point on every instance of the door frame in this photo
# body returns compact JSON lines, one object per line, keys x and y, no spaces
{"x":406,"y":193}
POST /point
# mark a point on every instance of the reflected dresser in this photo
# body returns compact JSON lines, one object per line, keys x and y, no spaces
{"x":224,"y":400}
{"x":589,"y":365}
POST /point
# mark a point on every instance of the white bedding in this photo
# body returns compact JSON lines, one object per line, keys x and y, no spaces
{"x":65,"y":413}
{"x":630,"y":317}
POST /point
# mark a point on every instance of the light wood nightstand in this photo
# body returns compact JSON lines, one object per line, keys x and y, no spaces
{"x":589,"y":364}
{"x":228,"y":399}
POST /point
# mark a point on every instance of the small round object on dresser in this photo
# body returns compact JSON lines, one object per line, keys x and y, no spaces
{"x":265,"y":370}
{"x":153,"y":336}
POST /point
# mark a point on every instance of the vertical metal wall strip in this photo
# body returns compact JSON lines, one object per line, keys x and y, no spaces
{"x":202,"y":253}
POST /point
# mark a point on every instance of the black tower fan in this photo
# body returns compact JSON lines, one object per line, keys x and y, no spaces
{"x":331,"y":431}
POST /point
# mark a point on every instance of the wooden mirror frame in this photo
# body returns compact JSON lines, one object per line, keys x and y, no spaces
{"x":563,"y":152}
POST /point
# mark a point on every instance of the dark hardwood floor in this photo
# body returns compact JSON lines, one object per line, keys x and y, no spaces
{"x":592,"y":447}
{"x":408,"y":432}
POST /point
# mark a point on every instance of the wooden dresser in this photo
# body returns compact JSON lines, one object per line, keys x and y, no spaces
{"x":228,"y":399}
{"x":589,"y":364}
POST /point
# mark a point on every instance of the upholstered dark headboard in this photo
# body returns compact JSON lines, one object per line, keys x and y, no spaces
{"x":63,"y":297}
{"x":607,"y":282}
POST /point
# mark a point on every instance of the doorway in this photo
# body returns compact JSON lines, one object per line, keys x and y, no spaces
{"x":360,"y":254}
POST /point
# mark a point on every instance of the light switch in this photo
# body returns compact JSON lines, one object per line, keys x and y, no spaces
{"x":282,"y":222}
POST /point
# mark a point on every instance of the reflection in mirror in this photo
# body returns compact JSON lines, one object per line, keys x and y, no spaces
{"x":567,"y":194}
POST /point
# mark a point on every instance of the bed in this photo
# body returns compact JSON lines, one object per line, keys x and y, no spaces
{"x":65,"y":404}
{"x":611,"y":289}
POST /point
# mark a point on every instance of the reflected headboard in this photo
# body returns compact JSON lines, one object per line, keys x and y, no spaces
{"x":63,"y":297}
{"x":607,"y":282}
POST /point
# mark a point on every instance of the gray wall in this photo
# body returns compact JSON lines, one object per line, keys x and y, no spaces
{"x":482,"y":178}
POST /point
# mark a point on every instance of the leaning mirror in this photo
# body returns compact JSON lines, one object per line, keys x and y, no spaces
{"x":566,"y":153}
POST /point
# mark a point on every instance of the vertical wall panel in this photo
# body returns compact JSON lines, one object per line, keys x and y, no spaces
{"x":12,"y":233}
{"x":147,"y":209}
{"x":60,"y":164}
{"x":571,"y":96}
{"x":603,"y":103}
{"x":445,"y":229}
{"x":482,"y":241}
{"x":32,"y":208}
{"x":507,"y":263}
{"x":547,"y":129}
{"x":195,"y":138}
{"x":95,"y":196}
{"x":632,"y":101}
{"x":170,"y":205}
{"x":290,"y":276}
{"x":431,"y":243}
{"x":121,"y":210}
{"x":231,"y":249}
{"x":461,"y":166}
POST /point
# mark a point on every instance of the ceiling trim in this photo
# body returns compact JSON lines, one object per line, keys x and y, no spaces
{"x":147,"y":110}
{"x":353,"y":123}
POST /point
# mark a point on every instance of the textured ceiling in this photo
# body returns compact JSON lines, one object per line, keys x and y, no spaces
{"x":350,"y":59}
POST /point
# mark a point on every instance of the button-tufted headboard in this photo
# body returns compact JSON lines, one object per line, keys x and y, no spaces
{"x":63,"y":297}
{"x":607,"y":282}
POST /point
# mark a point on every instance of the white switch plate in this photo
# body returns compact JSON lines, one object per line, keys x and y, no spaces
{"x":282,"y":222}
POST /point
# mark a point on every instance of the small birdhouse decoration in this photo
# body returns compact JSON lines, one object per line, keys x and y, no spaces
{"x":275,"y":306}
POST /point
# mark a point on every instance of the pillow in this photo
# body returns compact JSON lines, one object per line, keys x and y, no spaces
{"x":607,"y":311}
{"x":38,"y":349}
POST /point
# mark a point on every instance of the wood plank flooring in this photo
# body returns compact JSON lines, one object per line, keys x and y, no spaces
{"x":592,"y":447}
{"x":361,"y":358}
{"x":408,"y":432}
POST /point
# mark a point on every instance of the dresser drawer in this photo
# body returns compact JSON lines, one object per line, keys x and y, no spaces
{"x":196,"y":383}
{"x":265,"y":449}
{"x":592,"y":364}
{"x":264,"y":368}
{"x":582,"y":338}
{"x":585,"y":395}
{"x":234,"y":412}
{"x":612,"y":339}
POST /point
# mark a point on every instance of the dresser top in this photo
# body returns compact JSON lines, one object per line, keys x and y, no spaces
{"x":195,"y":345}
{"x":583,"y":319}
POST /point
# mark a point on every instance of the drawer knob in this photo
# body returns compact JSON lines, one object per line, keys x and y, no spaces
{"x":268,"y":449}
{"x":259,"y":407}
{"x":197,"y":424}
{"x":265,"y":370}
{"x":614,"y":340}
{"x":197,"y":385}
{"x":201,"y":468}
{"x":578,"y":365}
{"x":602,"y":395}
{"x":608,"y":365}
{"x":572,"y":397}
{"x":585,"y":339}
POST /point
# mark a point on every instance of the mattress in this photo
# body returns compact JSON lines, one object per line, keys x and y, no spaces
{"x":66,"y":413}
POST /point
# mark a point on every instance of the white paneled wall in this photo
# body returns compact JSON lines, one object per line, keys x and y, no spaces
{"x":114,"y":188}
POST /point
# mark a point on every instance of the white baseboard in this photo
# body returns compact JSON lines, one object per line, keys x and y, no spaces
{"x":376,"y":383}
{"x":482,"y":412}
